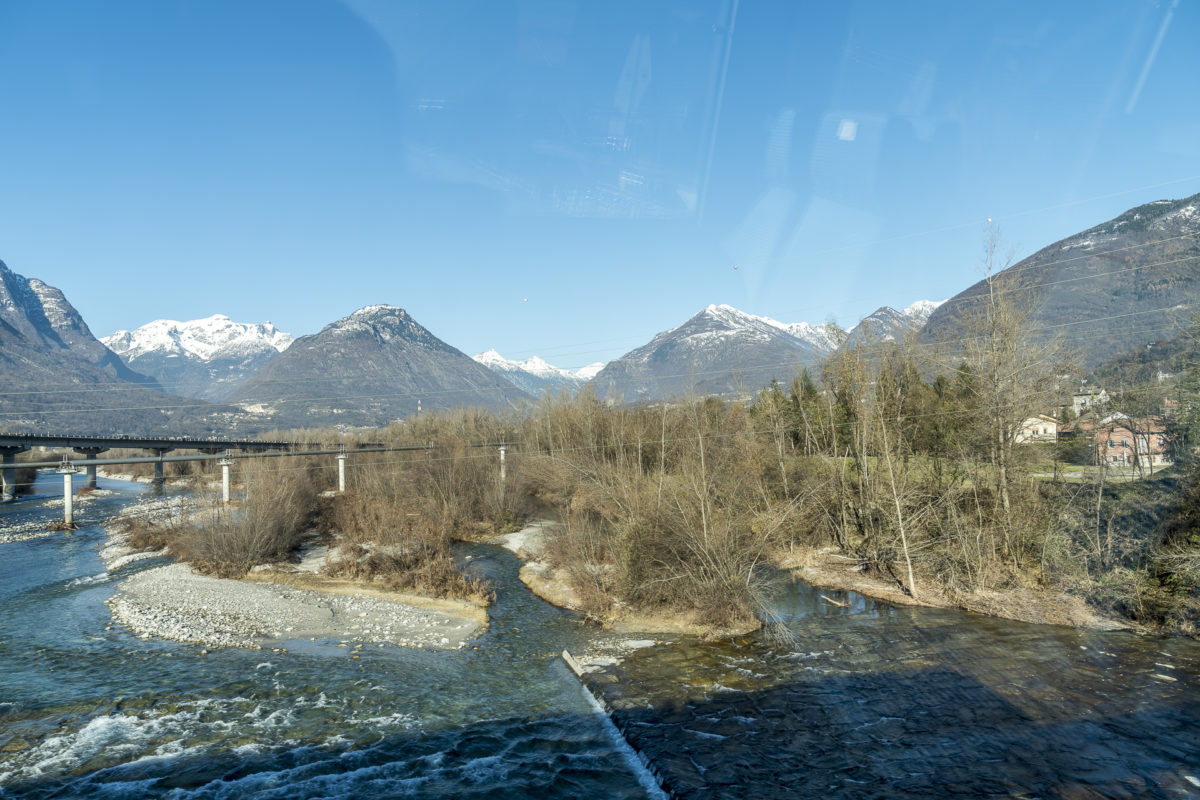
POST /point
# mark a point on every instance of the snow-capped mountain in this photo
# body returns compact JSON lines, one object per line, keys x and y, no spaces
{"x":534,"y":375}
{"x":886,"y":324}
{"x":720,"y":350}
{"x":922,"y":309}
{"x":369,"y":368}
{"x":68,"y":381}
{"x":205,"y":358}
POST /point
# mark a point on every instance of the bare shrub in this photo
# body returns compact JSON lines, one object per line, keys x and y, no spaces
{"x":383,"y":539}
{"x":273,"y":517}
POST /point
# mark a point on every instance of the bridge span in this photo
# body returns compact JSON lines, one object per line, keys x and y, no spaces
{"x":91,"y":446}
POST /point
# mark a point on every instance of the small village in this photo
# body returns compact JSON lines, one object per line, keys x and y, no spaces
{"x":1092,"y":431}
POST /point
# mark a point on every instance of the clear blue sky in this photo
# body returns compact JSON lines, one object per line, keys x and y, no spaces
{"x":568,"y":178}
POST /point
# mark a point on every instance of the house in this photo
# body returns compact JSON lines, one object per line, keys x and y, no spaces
{"x":1087,"y":399}
{"x":1038,"y":428}
{"x":1122,"y":440}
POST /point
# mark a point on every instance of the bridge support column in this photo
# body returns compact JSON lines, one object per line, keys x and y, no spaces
{"x":90,"y":452}
{"x":90,"y":481}
{"x":225,"y":463}
{"x":341,"y":459}
{"x":159,"y":481}
{"x":8,"y":459}
{"x":68,"y":470}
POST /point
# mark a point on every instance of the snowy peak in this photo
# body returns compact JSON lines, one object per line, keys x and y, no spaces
{"x":385,"y":324}
{"x":758,"y":328}
{"x":536,"y":375}
{"x":201,"y":339}
{"x":202,"y":358}
{"x":921,"y":309}
{"x":886,"y":324}
{"x":590,"y":371}
{"x":819,"y":336}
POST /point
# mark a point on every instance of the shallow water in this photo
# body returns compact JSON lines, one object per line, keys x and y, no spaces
{"x":881,"y":702}
{"x":89,"y":712}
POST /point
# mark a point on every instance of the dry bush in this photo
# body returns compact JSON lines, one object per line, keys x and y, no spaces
{"x":665,"y":509}
{"x":383,"y":539}
{"x":277,"y":510}
{"x":144,"y":534}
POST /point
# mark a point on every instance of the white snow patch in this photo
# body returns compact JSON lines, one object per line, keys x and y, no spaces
{"x":202,"y":339}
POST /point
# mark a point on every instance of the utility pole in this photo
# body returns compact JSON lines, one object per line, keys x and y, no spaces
{"x":341,"y":459}
{"x":226,"y":462}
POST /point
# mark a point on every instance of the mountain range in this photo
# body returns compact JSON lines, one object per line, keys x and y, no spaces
{"x":724,"y":351}
{"x":535,"y":376}
{"x":1123,"y":284}
{"x":59,"y":377}
{"x":206,"y":358}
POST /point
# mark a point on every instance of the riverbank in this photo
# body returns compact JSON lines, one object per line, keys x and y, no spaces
{"x":551,"y":584}
{"x":273,"y":604}
{"x":824,"y":568}
{"x":827,"y":568}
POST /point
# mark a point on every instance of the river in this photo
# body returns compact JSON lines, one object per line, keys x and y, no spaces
{"x":864,"y":700}
{"x":89,"y":710}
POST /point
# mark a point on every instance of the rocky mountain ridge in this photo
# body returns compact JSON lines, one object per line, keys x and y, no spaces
{"x":204,"y":358}
{"x":1119,"y":285}
{"x":720,"y":350}
{"x":67,"y":380}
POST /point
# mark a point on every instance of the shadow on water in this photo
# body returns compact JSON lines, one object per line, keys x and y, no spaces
{"x":920,"y":704}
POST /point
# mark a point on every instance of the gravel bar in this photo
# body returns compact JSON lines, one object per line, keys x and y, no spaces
{"x":173,"y":602}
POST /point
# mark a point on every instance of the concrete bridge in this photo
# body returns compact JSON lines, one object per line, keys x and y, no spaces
{"x":91,"y":446}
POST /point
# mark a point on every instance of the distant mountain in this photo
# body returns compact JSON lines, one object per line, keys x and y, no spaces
{"x":720,"y":350}
{"x":887,"y":324}
{"x":534,"y":375}
{"x":1110,"y":289}
{"x":206,"y":358}
{"x":368,"y":369}
{"x":60,"y":378}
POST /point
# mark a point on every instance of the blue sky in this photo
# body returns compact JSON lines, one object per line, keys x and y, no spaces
{"x":568,"y":178}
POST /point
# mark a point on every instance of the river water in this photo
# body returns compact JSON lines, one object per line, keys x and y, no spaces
{"x":864,"y":700}
{"x":90,"y":712}
{"x":874,"y":701}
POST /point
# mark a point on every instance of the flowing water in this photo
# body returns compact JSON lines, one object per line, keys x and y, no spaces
{"x":874,"y":701}
{"x":864,"y":700}
{"x":90,"y":712}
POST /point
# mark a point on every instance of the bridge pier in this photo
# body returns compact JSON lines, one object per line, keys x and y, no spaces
{"x":8,"y":470}
{"x":89,"y":454}
{"x":159,"y":481}
{"x":68,"y":470}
